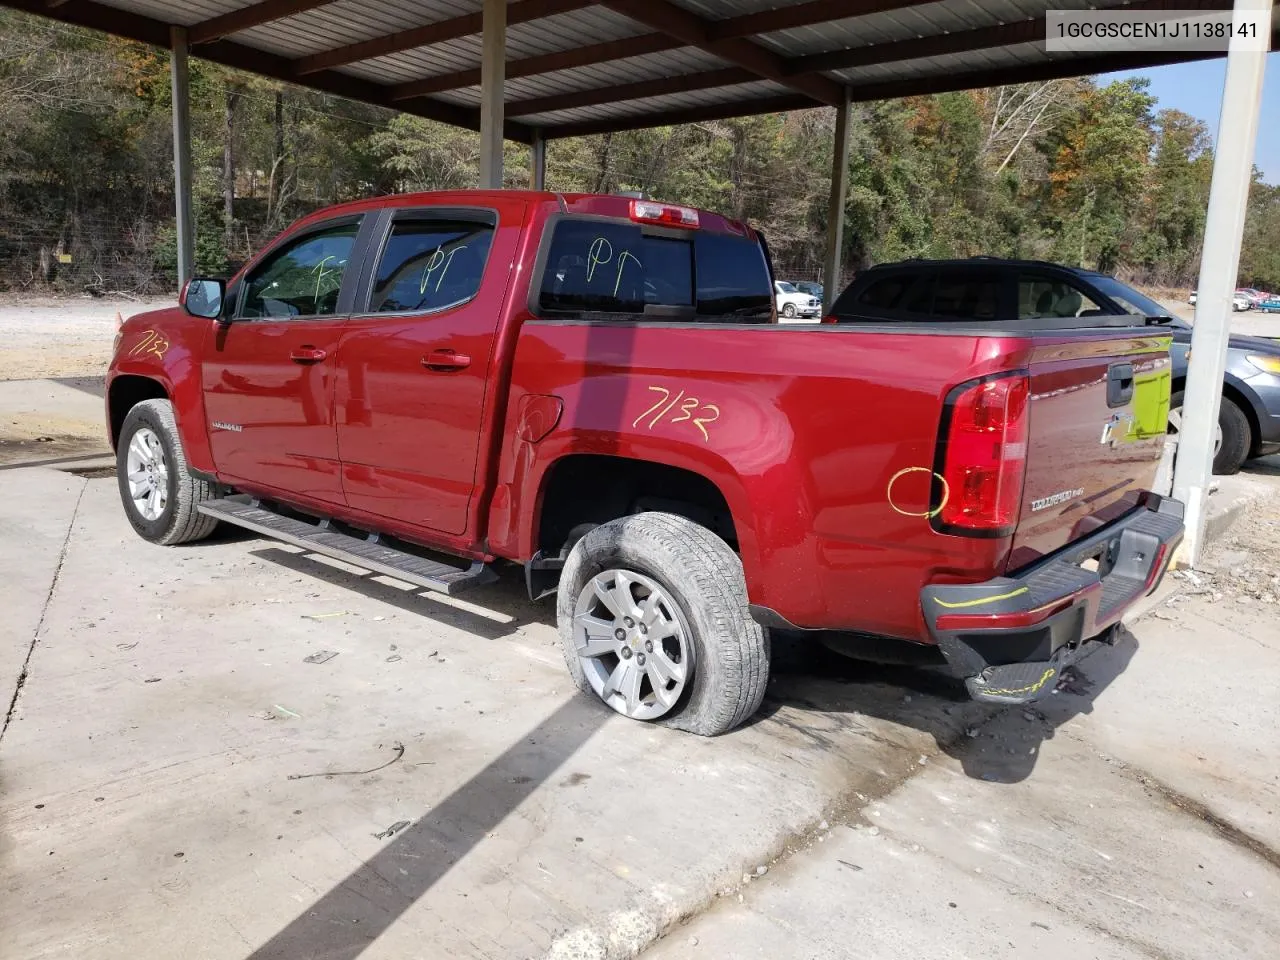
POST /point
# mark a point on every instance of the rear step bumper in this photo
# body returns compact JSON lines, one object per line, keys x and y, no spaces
{"x":1010,"y":638}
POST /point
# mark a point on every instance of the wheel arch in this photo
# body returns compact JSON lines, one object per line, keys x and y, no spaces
{"x":126,"y":392}
{"x":1237,"y":393}
{"x":577,"y":489}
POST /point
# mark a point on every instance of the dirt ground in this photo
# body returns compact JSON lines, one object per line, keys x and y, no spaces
{"x":54,"y":337}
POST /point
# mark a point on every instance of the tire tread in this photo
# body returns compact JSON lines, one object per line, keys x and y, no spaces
{"x":188,"y":523}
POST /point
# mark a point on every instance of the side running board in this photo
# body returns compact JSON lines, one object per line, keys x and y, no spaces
{"x":370,"y":552}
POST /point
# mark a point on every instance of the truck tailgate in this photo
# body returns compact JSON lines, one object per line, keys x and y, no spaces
{"x":1099,"y":405}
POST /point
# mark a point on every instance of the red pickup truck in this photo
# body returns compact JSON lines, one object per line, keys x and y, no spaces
{"x":596,"y":388}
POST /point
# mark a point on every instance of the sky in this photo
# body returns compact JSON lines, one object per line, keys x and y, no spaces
{"x":1196,"y":88}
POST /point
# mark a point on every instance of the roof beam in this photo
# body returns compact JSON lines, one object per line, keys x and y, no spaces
{"x":668,"y":118}
{"x":964,"y":41}
{"x":693,"y":30}
{"x":543,"y":63}
{"x":135,"y":26}
{"x":427,"y":34}
{"x":256,"y":14}
{"x":1058,"y":69}
{"x":802,"y":15}
{"x":661,"y":86}
{"x":940,"y":83}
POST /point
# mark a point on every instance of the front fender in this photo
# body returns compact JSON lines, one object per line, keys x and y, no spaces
{"x":166,"y":346}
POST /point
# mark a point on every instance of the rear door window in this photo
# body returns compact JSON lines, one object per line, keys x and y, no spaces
{"x":430,"y":264}
{"x":610,"y":268}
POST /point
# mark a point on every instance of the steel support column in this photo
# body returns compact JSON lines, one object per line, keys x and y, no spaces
{"x":538,"y":161}
{"x":493,"y":68}
{"x":835,"y":205}
{"x":182,"y":153}
{"x":1224,"y":228}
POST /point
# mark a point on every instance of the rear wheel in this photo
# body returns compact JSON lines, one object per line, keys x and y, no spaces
{"x":1234,"y":436}
{"x":159,"y":493}
{"x":653,"y":620}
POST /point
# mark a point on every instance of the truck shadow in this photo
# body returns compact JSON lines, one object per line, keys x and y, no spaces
{"x":816,"y":696}
{"x":824,"y":697}
{"x":493,"y":612}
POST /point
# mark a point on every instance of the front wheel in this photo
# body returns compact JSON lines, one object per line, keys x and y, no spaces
{"x":1234,"y":436}
{"x":159,"y":493}
{"x":789,"y":311}
{"x":653,"y":619}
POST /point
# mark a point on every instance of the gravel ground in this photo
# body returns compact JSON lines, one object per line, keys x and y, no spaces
{"x":54,"y":337}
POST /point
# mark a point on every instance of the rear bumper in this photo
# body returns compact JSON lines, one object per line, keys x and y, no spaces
{"x":1010,"y":638}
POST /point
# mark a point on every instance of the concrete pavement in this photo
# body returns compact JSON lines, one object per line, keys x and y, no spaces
{"x":1149,"y":828}
{"x":179,"y":780}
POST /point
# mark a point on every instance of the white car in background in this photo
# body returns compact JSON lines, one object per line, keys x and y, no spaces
{"x":794,"y":305}
{"x":1240,"y":301}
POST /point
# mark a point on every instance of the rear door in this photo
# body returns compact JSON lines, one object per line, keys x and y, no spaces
{"x":268,"y":374}
{"x":415,"y":359}
{"x":1099,"y":405}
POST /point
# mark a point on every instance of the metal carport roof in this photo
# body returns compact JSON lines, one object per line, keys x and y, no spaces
{"x":580,"y":66}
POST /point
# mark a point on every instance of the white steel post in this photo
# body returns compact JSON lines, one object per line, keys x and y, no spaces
{"x":1224,"y":228}
{"x":493,"y":69}
{"x":835,"y":205}
{"x":182,"y":152}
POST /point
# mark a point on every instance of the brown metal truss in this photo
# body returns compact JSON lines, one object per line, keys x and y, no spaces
{"x":733,"y":40}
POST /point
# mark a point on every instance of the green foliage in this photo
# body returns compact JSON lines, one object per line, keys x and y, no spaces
{"x":1065,"y":170}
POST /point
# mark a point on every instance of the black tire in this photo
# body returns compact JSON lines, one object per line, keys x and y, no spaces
{"x":789,"y":310}
{"x":179,"y":521}
{"x":704,"y":577}
{"x":1237,"y":435}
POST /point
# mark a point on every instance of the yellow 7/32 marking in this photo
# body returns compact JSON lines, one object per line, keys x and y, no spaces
{"x":709,"y":412}
{"x":151,"y":343}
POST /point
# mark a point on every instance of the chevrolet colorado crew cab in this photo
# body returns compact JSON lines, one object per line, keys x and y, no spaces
{"x":596,"y":388}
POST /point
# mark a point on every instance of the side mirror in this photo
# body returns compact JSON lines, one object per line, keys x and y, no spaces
{"x":203,"y":298}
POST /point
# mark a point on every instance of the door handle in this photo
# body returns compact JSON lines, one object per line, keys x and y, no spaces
{"x":446,"y":359}
{"x":308,"y":355}
{"x":1119,"y":384}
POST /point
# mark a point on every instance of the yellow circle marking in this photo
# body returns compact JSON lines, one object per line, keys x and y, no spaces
{"x":946,"y":492}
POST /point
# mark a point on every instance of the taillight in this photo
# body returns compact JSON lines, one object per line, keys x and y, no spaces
{"x":985,"y":457}
{"x":667,"y":214}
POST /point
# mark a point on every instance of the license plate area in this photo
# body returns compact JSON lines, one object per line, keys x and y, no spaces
{"x":1101,"y":559}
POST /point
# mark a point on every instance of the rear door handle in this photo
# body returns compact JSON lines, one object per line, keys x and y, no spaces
{"x":308,"y":355}
{"x":1119,"y":384}
{"x":446,"y":359}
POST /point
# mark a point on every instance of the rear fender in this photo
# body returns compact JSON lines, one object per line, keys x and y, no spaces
{"x":719,"y":431}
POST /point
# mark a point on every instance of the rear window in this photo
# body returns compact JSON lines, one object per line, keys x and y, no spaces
{"x":600,"y":267}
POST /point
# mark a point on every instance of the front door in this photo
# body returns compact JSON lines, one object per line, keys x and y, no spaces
{"x":413,"y":366}
{"x":268,"y":374}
